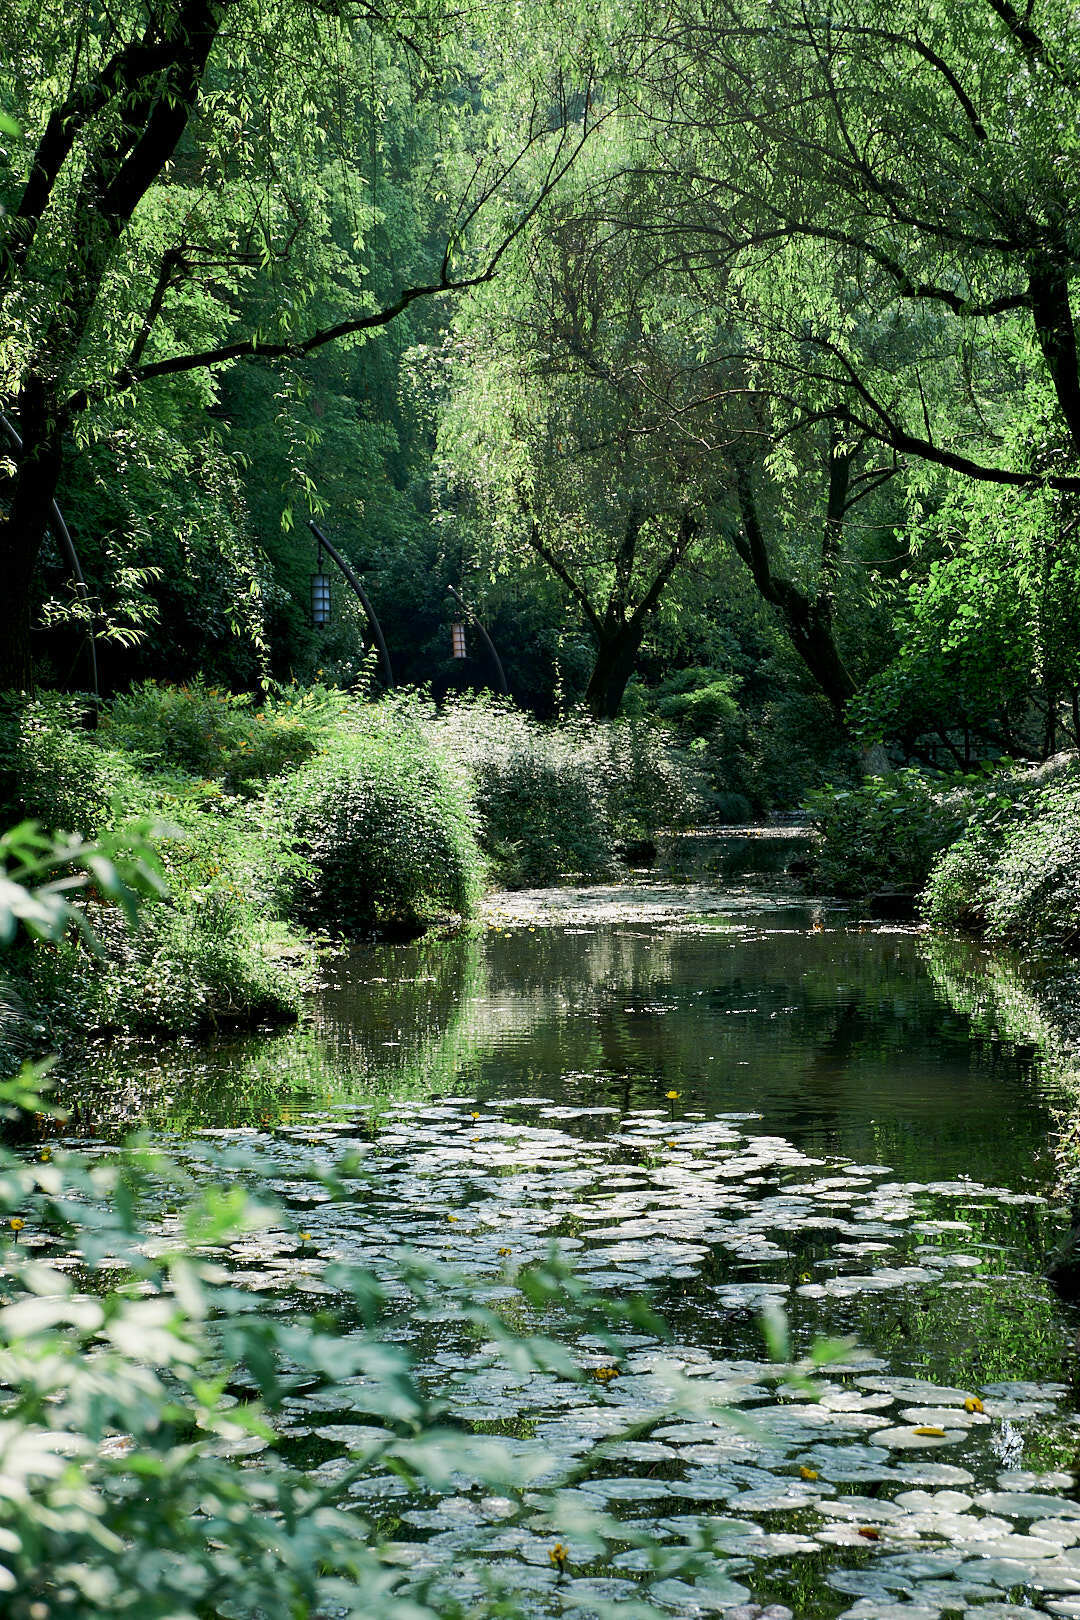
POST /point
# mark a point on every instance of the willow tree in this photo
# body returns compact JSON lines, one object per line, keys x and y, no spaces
{"x":167,"y":200}
{"x":557,"y":430}
{"x":897,"y":186}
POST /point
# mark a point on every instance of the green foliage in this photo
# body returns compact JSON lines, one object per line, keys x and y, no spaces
{"x":541,"y":812}
{"x":989,"y":627}
{"x":42,"y":878}
{"x":212,"y":948}
{"x":207,"y":733}
{"x":381,"y":830}
{"x":1015,"y":874}
{"x":52,"y":770}
{"x":759,"y":741}
{"x":882,"y":835}
{"x":647,"y":786}
{"x":699,"y":700}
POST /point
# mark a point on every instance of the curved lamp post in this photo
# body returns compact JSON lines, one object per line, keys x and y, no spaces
{"x":484,"y":637}
{"x":320,"y":598}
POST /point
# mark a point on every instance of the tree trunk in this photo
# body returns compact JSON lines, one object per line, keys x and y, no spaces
{"x":1055,"y":330}
{"x":616,"y":656}
{"x":807,"y":620}
{"x":812,"y":636}
{"x":22,"y":531}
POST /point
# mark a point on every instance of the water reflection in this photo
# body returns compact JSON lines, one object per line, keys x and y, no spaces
{"x":885,"y":1136}
{"x":841,"y":1039}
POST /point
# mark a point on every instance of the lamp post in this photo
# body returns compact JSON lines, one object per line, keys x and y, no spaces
{"x":484,"y":637}
{"x":320,"y":594}
{"x":320,"y":598}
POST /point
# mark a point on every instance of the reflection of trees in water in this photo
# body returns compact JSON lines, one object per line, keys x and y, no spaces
{"x":1026,"y":1005}
{"x":1019,"y":1010}
{"x":965,"y":1339}
{"x":862,"y":1040}
{"x":396,"y":1024}
{"x":843,"y":1035}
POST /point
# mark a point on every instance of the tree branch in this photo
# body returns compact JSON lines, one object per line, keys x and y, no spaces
{"x":255,"y":348}
{"x":559,"y":569}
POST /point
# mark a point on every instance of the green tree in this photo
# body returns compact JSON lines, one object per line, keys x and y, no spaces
{"x":895,"y":190}
{"x":169,"y":205}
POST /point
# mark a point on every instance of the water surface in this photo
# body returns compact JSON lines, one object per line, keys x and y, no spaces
{"x":841,"y":1143}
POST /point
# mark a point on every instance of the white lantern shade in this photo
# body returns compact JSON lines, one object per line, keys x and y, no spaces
{"x":320,"y":600}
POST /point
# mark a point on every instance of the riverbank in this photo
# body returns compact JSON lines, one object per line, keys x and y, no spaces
{"x":313,"y":817}
{"x":994,"y":853}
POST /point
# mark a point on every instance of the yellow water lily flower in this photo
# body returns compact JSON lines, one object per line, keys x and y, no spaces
{"x":558,"y":1556}
{"x":808,"y":1473}
{"x":604,"y":1375}
{"x":973,"y":1404}
{"x":453,"y":1217}
{"x":672,"y":1096}
{"x":305,"y":1237}
{"x":506,"y":1251}
{"x":17,"y":1223}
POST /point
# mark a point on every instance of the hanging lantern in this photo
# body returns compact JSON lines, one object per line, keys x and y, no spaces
{"x":320,"y":600}
{"x":457,"y":641}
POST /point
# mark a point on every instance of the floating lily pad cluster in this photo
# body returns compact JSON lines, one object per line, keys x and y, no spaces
{"x":888,"y":1494}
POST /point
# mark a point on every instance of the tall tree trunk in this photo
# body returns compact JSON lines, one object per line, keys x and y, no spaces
{"x":1055,"y":329}
{"x":23,"y":529}
{"x":808,"y":620}
{"x":616,"y":656}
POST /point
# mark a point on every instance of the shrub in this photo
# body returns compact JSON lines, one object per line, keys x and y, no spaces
{"x":954,"y":893}
{"x":1015,"y":874}
{"x":538,"y":801}
{"x":380,"y":829}
{"x":542,"y":814}
{"x":57,"y":772}
{"x":213,"y":952}
{"x":699,"y":700}
{"x":884,"y":834}
{"x":215,"y":735}
{"x":553,"y":800}
{"x":647,"y":786}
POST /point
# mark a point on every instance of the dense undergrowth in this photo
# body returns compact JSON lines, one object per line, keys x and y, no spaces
{"x":311,"y":814}
{"x":995,"y":853}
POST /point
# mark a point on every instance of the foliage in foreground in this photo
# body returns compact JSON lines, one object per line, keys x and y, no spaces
{"x":141,"y":1381}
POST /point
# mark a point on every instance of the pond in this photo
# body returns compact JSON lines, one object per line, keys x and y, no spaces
{"x":722,"y":1101}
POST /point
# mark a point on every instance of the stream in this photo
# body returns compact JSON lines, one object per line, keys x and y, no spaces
{"x":716,"y":1096}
